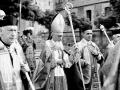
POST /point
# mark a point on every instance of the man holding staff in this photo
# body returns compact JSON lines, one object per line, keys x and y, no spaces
{"x":52,"y":76}
{"x":90,"y":53}
{"x":11,"y":62}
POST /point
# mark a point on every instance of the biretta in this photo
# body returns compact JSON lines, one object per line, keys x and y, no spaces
{"x":9,"y":21}
{"x":86,"y":26}
{"x":58,"y":25}
{"x":116,"y":31}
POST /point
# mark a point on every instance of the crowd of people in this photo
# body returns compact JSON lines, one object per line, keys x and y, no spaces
{"x":84,"y":68}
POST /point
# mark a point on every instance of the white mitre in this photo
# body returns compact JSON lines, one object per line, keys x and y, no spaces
{"x":58,"y":25}
{"x":2,"y":14}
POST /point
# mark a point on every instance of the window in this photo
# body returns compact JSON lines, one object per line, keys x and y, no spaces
{"x":88,"y":12}
{"x":57,"y":1}
{"x":35,"y":2}
{"x":107,"y":11}
{"x":60,"y":1}
{"x":49,"y":3}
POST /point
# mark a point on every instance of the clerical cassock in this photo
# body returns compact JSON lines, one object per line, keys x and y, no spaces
{"x":52,"y":76}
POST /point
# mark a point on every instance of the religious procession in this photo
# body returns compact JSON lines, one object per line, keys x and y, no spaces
{"x":84,"y":66}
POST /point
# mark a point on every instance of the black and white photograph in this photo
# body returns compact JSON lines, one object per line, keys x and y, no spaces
{"x":59,"y":44}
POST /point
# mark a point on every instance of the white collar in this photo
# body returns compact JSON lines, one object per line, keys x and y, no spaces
{"x":85,"y":41}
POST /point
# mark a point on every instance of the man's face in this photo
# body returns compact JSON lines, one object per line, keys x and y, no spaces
{"x":57,"y":37}
{"x":8,"y":34}
{"x":116,"y":38}
{"x":87,"y":35}
{"x":29,"y":36}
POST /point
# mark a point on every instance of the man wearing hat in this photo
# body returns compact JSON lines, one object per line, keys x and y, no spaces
{"x":52,"y":76}
{"x":26,"y":39}
{"x":90,"y":53}
{"x":11,"y":62}
{"x":28,"y":46}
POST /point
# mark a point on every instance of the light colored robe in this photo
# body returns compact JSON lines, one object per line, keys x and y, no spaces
{"x":58,"y":69}
{"x":112,"y":69}
{"x":108,"y":49}
{"x":46,"y":78}
{"x":10,"y":73}
{"x":90,"y":61}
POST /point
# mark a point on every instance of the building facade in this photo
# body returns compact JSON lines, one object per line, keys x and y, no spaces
{"x":44,"y":4}
{"x":85,"y":8}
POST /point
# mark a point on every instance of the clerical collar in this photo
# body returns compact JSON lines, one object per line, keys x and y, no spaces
{"x":85,"y":41}
{"x":4,"y":43}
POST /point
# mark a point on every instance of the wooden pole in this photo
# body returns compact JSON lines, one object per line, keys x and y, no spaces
{"x":20,"y":15}
{"x":104,"y":30}
{"x":26,"y":73}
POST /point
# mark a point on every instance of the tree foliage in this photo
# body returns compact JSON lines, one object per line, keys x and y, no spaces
{"x":107,"y":21}
{"x":46,"y":20}
{"x":10,"y":7}
{"x":34,"y":13}
{"x":116,"y":8}
{"x":29,"y":12}
{"x":110,"y":20}
{"x":78,"y":23}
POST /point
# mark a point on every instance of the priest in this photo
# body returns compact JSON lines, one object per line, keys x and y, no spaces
{"x":52,"y":76}
{"x":11,"y":62}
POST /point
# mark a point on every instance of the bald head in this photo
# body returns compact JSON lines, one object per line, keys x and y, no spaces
{"x":116,"y":38}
